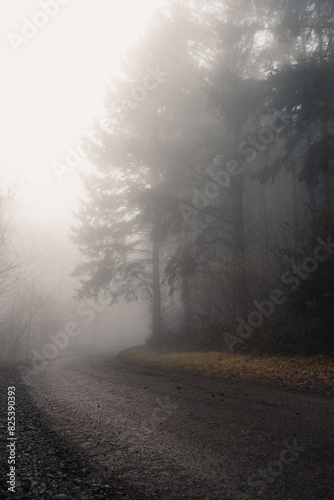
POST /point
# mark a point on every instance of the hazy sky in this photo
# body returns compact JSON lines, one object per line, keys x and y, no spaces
{"x":56,"y":61}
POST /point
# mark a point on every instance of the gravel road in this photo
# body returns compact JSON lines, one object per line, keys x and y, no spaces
{"x":95,"y":427}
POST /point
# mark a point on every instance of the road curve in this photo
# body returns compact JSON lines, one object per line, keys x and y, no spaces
{"x":172,"y":436}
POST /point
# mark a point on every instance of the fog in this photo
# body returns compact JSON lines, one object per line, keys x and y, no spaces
{"x":51,"y":96}
{"x":166,"y":174}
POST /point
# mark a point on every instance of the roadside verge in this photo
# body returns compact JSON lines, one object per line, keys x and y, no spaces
{"x":312,"y":373}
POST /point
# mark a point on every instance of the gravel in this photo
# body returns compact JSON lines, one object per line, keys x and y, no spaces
{"x":99,"y":428}
{"x":48,"y":468}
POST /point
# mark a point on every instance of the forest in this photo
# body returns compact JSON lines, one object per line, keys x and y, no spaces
{"x":209,"y":194}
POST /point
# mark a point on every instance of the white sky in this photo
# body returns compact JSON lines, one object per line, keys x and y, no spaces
{"x":52,"y":88}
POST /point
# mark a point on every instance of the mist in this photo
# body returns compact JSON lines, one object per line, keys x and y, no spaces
{"x":165,"y":179}
{"x":166,"y":249}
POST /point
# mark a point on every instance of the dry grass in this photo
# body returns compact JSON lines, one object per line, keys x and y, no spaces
{"x":314,"y":373}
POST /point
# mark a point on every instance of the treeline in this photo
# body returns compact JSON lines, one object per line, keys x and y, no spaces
{"x":211,"y":188}
{"x":35,"y":294}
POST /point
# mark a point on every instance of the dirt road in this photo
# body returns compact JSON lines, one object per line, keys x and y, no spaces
{"x":153,"y":435}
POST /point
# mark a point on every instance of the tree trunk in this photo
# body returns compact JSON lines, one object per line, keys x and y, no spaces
{"x":327,"y":185}
{"x":156,"y":292}
{"x":313,"y":203}
{"x":264,"y":225}
{"x":295,"y":203}
{"x":239,"y":246}
{"x":186,"y":306}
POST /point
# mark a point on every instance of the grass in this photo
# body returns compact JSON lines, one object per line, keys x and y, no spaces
{"x":312,"y":373}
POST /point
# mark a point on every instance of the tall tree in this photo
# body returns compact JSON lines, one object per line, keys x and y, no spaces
{"x":131,"y":201}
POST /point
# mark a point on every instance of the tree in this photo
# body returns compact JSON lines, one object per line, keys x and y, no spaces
{"x":131,"y":206}
{"x":170,"y":203}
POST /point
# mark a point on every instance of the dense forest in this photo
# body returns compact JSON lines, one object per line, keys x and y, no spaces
{"x":210,"y":193}
{"x":212,"y":189}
